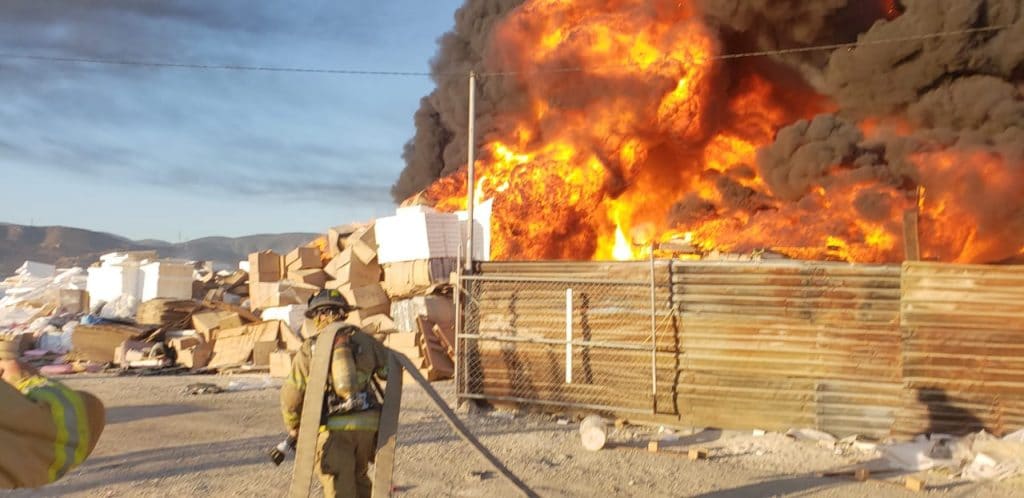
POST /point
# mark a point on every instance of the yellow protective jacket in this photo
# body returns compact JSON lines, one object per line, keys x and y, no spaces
{"x":371,"y":358}
{"x":46,"y":429}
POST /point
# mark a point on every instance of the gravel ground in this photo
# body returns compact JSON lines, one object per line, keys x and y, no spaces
{"x":160,"y":441}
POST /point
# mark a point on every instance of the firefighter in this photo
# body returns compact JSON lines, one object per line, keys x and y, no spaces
{"x":346,"y":442}
{"x":46,"y":429}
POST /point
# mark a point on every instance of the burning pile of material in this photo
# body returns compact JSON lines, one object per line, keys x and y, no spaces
{"x":606,"y":125}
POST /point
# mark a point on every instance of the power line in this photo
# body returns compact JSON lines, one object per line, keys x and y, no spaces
{"x":784,"y":51}
{"x":223,"y":67}
{"x":886,"y":41}
{"x":364,"y":72}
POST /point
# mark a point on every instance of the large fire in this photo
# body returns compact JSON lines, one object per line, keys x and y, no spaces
{"x":645,"y":140}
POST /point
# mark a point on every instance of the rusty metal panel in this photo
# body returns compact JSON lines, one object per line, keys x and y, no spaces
{"x":963,"y":366}
{"x":789,"y":344}
{"x":865,"y":349}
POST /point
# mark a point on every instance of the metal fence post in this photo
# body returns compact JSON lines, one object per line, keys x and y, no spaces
{"x":568,"y":335}
{"x":459,"y":323}
{"x":654,"y":339}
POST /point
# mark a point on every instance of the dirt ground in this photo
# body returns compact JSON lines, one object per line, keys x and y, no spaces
{"x":160,"y":441}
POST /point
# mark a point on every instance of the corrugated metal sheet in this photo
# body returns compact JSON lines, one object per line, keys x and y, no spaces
{"x":519,"y":314}
{"x":963,"y":348}
{"x":789,"y":345}
{"x":848,"y":349}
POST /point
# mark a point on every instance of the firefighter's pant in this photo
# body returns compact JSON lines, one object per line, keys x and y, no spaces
{"x":343,"y":458}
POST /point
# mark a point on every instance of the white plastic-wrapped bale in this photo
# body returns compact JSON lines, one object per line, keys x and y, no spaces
{"x":417,"y":233}
{"x":107,"y":282}
{"x":32,"y":269}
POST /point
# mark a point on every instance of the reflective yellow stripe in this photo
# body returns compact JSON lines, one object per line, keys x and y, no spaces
{"x":60,"y":442}
{"x":81,"y":450}
{"x":72,"y":439}
{"x":29,"y":383}
{"x":360,"y":421}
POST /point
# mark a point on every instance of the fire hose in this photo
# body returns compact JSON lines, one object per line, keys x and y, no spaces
{"x":309,"y":424}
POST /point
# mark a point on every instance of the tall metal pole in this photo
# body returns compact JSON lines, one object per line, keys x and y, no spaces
{"x":471,"y":170}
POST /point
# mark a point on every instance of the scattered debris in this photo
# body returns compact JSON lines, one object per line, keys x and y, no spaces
{"x":479,"y":475}
{"x":254,"y":384}
{"x":202,"y":388}
{"x":995,"y":458}
{"x":593,"y":432}
{"x":695,"y":454}
{"x":914,"y":484}
{"x":667,"y":435}
{"x":806,"y":434}
{"x":915,"y":456}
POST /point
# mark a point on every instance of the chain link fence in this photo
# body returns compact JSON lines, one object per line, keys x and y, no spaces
{"x":573,"y":343}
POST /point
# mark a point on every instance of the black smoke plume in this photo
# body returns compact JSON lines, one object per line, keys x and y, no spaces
{"x":439,"y":145}
{"x":960,"y":94}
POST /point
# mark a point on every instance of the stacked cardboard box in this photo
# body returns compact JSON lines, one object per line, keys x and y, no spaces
{"x":266,"y":266}
{"x":249,"y":343}
{"x":406,"y":279}
{"x":207,"y":324}
{"x":303,"y":265}
{"x":226,"y":287}
{"x":97,"y":343}
{"x":293,"y":315}
{"x":192,"y":349}
{"x":268,"y":270}
{"x":356,"y":273}
{"x":347,"y":269}
{"x":337,"y":236}
{"x":302,"y":258}
{"x":167,"y":313}
{"x":166,"y":279}
{"x":425,"y":332}
{"x":263,"y":295}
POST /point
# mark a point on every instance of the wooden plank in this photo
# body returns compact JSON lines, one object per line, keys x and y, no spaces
{"x":911,"y":244}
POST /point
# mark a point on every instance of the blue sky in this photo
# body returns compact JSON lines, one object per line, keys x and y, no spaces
{"x":181,"y":153}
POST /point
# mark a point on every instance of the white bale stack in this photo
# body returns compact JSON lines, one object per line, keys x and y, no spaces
{"x":417,"y":233}
{"x":110,"y":281}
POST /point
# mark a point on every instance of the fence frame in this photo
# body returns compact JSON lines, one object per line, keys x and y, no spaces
{"x":467,"y":285}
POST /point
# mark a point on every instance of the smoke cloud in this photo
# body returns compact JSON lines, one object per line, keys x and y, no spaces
{"x":439,"y":146}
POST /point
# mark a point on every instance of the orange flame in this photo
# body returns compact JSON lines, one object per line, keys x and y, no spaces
{"x":592,"y":164}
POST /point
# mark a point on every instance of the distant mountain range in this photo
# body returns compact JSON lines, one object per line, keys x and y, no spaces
{"x":66,"y":246}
